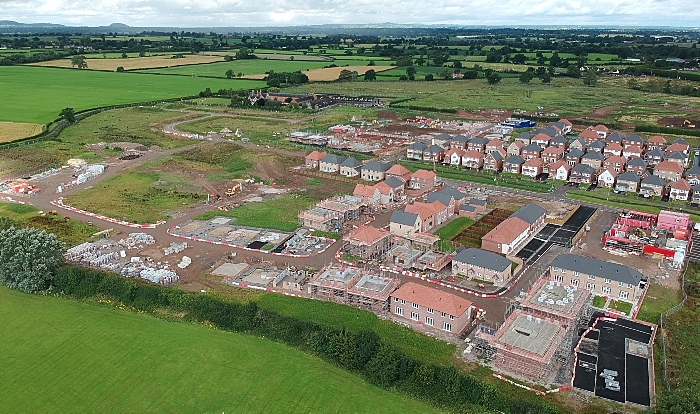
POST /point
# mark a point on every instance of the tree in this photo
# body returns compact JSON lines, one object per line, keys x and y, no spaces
{"x":457,"y":64}
{"x":78,"y":61}
{"x":371,"y":63}
{"x":527,"y":76}
{"x":229,"y":74}
{"x":493,"y":78}
{"x":124,"y":55}
{"x":429,"y":77}
{"x":591,"y":78}
{"x":633,"y":83}
{"x":411,"y":72}
{"x":347,"y":75}
{"x":573,"y":71}
{"x":67,"y":114}
{"x":370,"y":75}
{"x":29,"y":258}
{"x":546,"y":78}
{"x":142,"y":54}
{"x":120,"y":68}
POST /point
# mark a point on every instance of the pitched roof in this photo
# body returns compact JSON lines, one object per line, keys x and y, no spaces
{"x":566,"y":121}
{"x":583,"y":169}
{"x":681,"y":184}
{"x":560,"y":125}
{"x":424,"y":210}
{"x":524,"y":135}
{"x":615,"y":137}
{"x":616,"y":159}
{"x":507,"y":231}
{"x":613,"y":146}
{"x":533,"y":162}
{"x":600,"y":144}
{"x":693,"y":171}
{"x":653,"y":180}
{"x":333,"y":159}
{"x":471,"y":209}
{"x":482,"y":258}
{"x":532,"y":148}
{"x":473,"y":154}
{"x":589,"y":133}
{"x":601,"y":127}
{"x":443,"y":137}
{"x":529,"y":213}
{"x":542,"y":137}
{"x":655,"y":153}
{"x":579,"y":140}
{"x":676,"y":147}
{"x":384,"y":188}
{"x":559,"y":164}
{"x":429,"y":297}
{"x":363,"y":190}
{"x":398,"y":169}
{"x":634,"y":138}
{"x":441,"y":197}
{"x":609,"y":171}
{"x":394,"y":182}
{"x":402,"y":217}
{"x":376,"y":166}
{"x":636,"y":162}
{"x":479,"y":141}
{"x":559,"y":140}
{"x":418,"y":146}
{"x":634,"y":148}
{"x":628,"y":176}
{"x":451,"y":151}
{"x":477,"y":202}
{"x":456,"y":194}
{"x":676,"y":156}
{"x":517,"y":143}
{"x":495,"y":155}
{"x":315,"y":155}
{"x":592,"y":155}
{"x":423,"y":174}
{"x":574,"y":153}
{"x":366,"y":235}
{"x":681,"y":141}
{"x":351,"y":162}
{"x":514,"y":159}
{"x":547,"y":131}
{"x":460,"y":138}
{"x":598,"y":268}
{"x":495,"y":143}
{"x":434,"y":149}
{"x":553,"y":151}
{"x":657,"y":139}
{"x":669,"y":166}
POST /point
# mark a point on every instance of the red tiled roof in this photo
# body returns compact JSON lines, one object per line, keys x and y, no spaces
{"x":397,"y":169}
{"x":636,"y":149}
{"x":315,"y":155}
{"x":611,"y":171}
{"x":541,"y":137}
{"x":588,"y":133}
{"x":424,"y":174}
{"x":552,"y":151}
{"x":451,"y":151}
{"x":384,"y":188}
{"x":473,"y":154}
{"x":533,"y":162}
{"x":518,"y":143}
{"x":366,"y":234}
{"x":676,"y":147}
{"x":566,"y":121}
{"x":495,"y":143}
{"x":613,"y":146}
{"x":364,"y":190}
{"x":601,"y":128}
{"x":561,"y":163}
{"x":657,"y":139}
{"x":507,"y":231}
{"x":429,"y":297}
{"x":669,"y":166}
{"x":682,"y":184}
{"x":614,"y":159}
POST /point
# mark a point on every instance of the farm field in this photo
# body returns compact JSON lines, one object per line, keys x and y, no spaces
{"x":330,"y":74}
{"x":10,"y":131}
{"x":92,"y":358}
{"x":54,"y":89}
{"x":247,"y":67}
{"x":131,"y":63}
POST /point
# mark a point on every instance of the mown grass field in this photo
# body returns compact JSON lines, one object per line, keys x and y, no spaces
{"x":137,"y":197}
{"x":279,"y":213}
{"x":131,"y":63}
{"x":61,"y":355}
{"x":70,"y":232}
{"x":453,"y":228}
{"x":53,"y":89}
{"x":10,"y":131}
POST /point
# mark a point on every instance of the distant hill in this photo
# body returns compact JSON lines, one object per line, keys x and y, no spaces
{"x":10,"y":23}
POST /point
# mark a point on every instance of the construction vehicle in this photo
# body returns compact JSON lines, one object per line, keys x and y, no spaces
{"x":236,"y":187}
{"x":688,"y":124}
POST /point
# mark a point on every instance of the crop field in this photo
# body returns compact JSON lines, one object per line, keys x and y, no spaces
{"x":131,"y":63}
{"x":54,"y":89}
{"x":247,"y":67}
{"x":87,"y":357}
{"x":278,"y":214}
{"x":10,"y":131}
{"x":330,"y":74}
{"x":138,"y":197}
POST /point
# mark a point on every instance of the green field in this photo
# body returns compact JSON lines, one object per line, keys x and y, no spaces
{"x":61,"y":355}
{"x":453,"y":228}
{"x":53,"y":89}
{"x":247,"y":67}
{"x":279,"y":214}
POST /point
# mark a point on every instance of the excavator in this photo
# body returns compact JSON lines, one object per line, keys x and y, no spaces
{"x":688,"y":123}
{"x":236,"y":187}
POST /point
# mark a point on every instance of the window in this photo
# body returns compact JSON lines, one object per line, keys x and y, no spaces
{"x":624,"y":294}
{"x":574,"y":282}
{"x":396,"y":299}
{"x":452,"y":318}
{"x":399,"y":311}
{"x":415,"y":306}
{"x":590,"y":286}
{"x":403,"y":302}
{"x":414,"y":316}
{"x":605,"y":290}
{"x":429,"y":310}
{"x":606,"y":281}
{"x":620,"y":284}
{"x":558,"y":278}
{"x":591,"y":277}
{"x":629,"y":285}
{"x":563,"y":271}
{"x":575,"y":273}
{"x":442,"y":314}
{"x":429,"y":321}
{"x":447,"y":327}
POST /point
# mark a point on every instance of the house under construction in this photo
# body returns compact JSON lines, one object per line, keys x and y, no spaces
{"x":637,"y":233}
{"x":367,"y":242}
{"x":332,"y":214}
{"x":372,"y":292}
{"x":352,"y":286}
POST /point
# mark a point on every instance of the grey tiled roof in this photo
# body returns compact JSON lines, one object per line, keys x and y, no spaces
{"x":418,"y":146}
{"x":598,"y":268}
{"x":483,"y":258}
{"x":376,"y":166}
{"x":514,"y":159}
{"x":401,"y":217}
{"x":394,"y":182}
{"x":529,"y":213}
{"x":583,"y":169}
{"x":532,"y":147}
{"x":333,"y":159}
{"x":636,"y":162}
{"x":456,"y":194}
{"x":351,"y":162}
{"x":628,"y":176}
{"x":575,"y":153}
{"x":653,"y":180}
{"x":592,"y":155}
{"x":443,"y":198}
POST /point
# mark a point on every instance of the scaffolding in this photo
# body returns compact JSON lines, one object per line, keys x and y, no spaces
{"x":432,"y":260}
{"x":372,"y":292}
{"x":367,"y":243}
{"x":332,"y":283}
{"x":333,"y":214}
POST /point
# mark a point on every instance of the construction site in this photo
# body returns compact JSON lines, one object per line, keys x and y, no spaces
{"x":663,"y":235}
{"x":471,"y":236}
{"x":352,"y":286}
{"x":334,"y":214}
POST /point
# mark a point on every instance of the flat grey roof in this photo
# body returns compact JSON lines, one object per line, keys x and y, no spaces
{"x":529,"y":335}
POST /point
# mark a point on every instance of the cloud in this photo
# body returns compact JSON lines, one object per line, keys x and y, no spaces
{"x":189,"y":13}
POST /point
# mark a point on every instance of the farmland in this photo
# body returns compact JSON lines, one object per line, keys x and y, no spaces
{"x":86,"y":357}
{"x":54,"y":89}
{"x":70,"y":232}
{"x":130,"y":63}
{"x":246,"y":67}
{"x":10,"y":131}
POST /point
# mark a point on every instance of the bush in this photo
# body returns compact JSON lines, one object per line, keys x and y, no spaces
{"x":29,"y":258}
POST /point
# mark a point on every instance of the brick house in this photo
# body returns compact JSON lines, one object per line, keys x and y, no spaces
{"x":654,"y":156}
{"x":680,"y":190}
{"x":494,"y":145}
{"x":637,"y":166}
{"x":313,"y":159}
{"x":573,"y":156}
{"x":423,"y":180}
{"x":615,"y":163}
{"x":402,"y":223}
{"x":633,"y":151}
{"x":559,"y":142}
{"x":693,"y":175}
{"x":367,"y":193}
{"x":398,"y":171}
{"x":432,"y":308}
{"x":615,"y":137}
{"x":473,"y":159}
{"x":652,"y":186}
{"x":532,"y":167}
{"x":477,"y":144}
{"x":695,"y":197}
{"x":679,"y":158}
{"x":458,"y":196}
{"x":679,"y":145}
{"x":524,"y":137}
{"x":513,"y":164}
{"x":374,"y":171}
{"x":415,"y":151}
{"x":434,"y":153}
{"x":459,"y":142}
{"x":482,"y":265}
{"x":582,"y":174}
{"x":601,"y":130}
{"x":446,"y":199}
{"x":567,"y":126}
{"x":493,"y":161}
{"x":515,"y":148}
{"x":599,"y":277}
{"x":350,"y":167}
{"x":453,"y":156}
{"x":607,"y":178}
{"x":579,"y":144}
{"x":432,"y":214}
{"x":542,"y":140}
{"x":669,"y":171}
{"x":597,"y":146}
{"x":331,"y":163}
{"x":627,"y":182}
{"x":593,"y":160}
{"x":589,"y":136}
{"x":657,"y":142}
{"x":552,"y":154}
{"x":442,"y":140}
{"x":560,"y":170}
{"x":612,"y":148}
{"x":531,"y":151}
{"x":515,"y":230}
{"x":633,"y":139}
{"x":398,"y":185}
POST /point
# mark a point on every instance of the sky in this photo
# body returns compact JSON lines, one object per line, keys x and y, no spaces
{"x":238,"y":13}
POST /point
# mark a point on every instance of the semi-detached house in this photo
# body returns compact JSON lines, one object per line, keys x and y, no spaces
{"x":600,"y":278}
{"x":432,"y":308}
{"x":514,"y":230}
